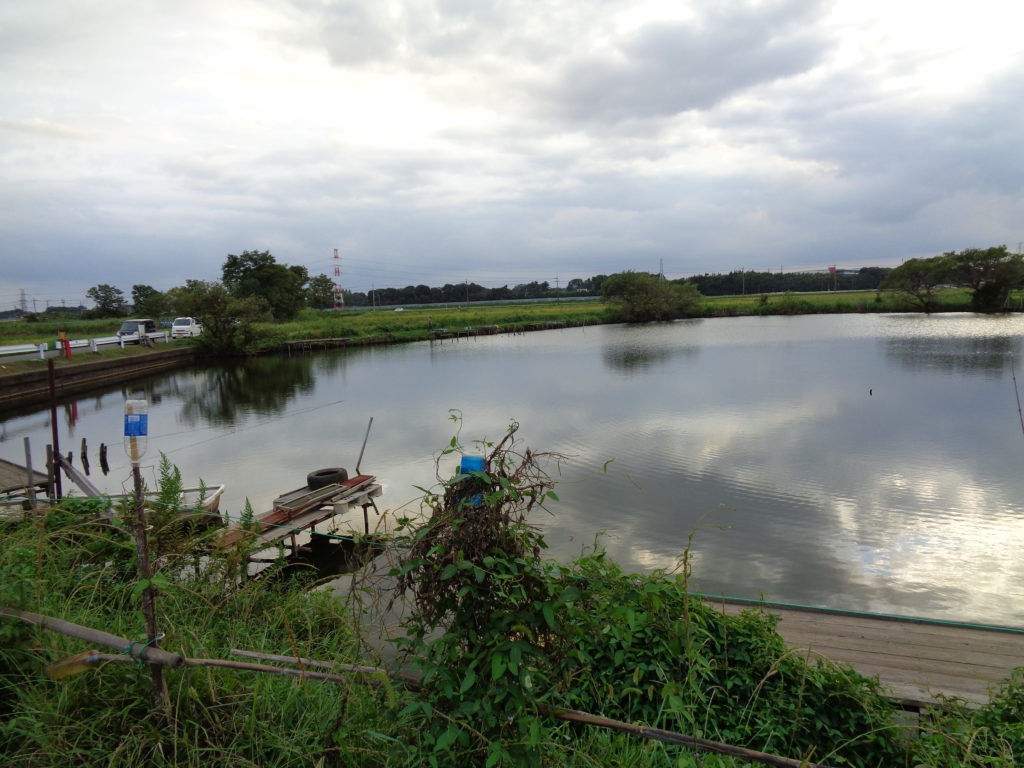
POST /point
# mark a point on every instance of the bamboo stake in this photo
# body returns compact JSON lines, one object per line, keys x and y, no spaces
{"x":159,"y":694}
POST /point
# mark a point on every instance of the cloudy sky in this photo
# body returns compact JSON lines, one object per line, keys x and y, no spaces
{"x":436,"y":141}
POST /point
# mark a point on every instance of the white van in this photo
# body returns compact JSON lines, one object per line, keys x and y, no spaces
{"x":185,"y":326}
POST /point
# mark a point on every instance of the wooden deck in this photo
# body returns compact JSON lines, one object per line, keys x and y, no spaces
{"x":917,"y":661}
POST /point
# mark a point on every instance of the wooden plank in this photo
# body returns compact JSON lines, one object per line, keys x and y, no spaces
{"x":314,"y":517}
{"x":916,"y":659}
{"x":14,"y":477}
{"x":995,"y":662}
{"x":303,"y":498}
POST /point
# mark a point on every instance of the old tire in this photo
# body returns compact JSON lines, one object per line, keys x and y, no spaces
{"x":328,"y":476}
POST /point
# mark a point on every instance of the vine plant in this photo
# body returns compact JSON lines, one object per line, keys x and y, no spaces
{"x":472,"y":574}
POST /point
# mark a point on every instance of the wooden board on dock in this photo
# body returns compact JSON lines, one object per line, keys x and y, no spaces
{"x":14,"y":477}
{"x":916,"y":660}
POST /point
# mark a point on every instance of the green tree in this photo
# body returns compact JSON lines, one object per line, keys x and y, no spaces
{"x":189,"y":299}
{"x":257,"y":274}
{"x":641,"y":297}
{"x":919,"y":279}
{"x":147,"y":301}
{"x":229,"y":322}
{"x":990,"y":273}
{"x":320,"y":292}
{"x":109,"y":301}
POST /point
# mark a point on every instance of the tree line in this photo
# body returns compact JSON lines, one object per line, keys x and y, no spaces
{"x":254,"y":287}
{"x":286,"y":289}
{"x":988,"y":273}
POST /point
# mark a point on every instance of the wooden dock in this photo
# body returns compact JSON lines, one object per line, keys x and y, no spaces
{"x":918,"y":661}
{"x":305,"y":508}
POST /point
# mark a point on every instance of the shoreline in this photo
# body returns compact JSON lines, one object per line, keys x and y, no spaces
{"x":33,"y":387}
{"x":23,"y":387}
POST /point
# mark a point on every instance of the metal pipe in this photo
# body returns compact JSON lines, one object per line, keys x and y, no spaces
{"x":360,"y":459}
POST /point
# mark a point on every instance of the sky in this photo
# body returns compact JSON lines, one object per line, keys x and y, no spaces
{"x":440,"y":141}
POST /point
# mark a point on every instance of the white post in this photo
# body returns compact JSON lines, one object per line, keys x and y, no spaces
{"x":42,"y":350}
{"x":120,"y":340}
{"x":92,"y":346}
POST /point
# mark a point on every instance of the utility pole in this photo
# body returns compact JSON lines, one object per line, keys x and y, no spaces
{"x":339,"y":296}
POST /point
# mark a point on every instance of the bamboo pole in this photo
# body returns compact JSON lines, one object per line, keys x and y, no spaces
{"x":671,"y":737}
{"x":133,"y":649}
{"x":411,"y":681}
{"x":243,"y":666}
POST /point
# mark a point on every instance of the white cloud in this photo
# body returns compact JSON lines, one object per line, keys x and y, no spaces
{"x":584,"y":137}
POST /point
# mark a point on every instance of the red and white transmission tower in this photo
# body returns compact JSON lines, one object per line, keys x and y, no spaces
{"x":339,"y":297}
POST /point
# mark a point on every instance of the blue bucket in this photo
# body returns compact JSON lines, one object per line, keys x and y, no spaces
{"x":471,"y":464}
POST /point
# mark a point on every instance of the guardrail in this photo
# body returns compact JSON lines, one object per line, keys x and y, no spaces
{"x":92,"y":345}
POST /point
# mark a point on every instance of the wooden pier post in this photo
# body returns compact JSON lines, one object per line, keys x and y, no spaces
{"x":55,"y":473}
{"x":51,"y":471}
{"x":30,"y":475}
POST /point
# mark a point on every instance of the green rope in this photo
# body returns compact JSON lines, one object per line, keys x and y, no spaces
{"x":868,"y":614}
{"x":128,"y":649}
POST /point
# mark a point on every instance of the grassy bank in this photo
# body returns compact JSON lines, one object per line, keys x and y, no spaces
{"x":412,"y":324}
{"x":9,"y":367}
{"x":366,"y":326}
{"x":363,"y":326}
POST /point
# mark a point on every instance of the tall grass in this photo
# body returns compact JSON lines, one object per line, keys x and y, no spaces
{"x":63,"y":565}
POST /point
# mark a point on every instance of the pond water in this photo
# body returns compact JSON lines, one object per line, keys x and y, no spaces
{"x":860,"y":462}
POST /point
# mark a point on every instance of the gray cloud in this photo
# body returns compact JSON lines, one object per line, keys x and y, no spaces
{"x":670,"y":67}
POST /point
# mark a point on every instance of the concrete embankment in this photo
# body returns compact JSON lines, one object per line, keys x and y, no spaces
{"x":34,"y":386}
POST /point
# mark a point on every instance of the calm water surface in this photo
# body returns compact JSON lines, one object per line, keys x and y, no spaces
{"x":865,"y":462}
